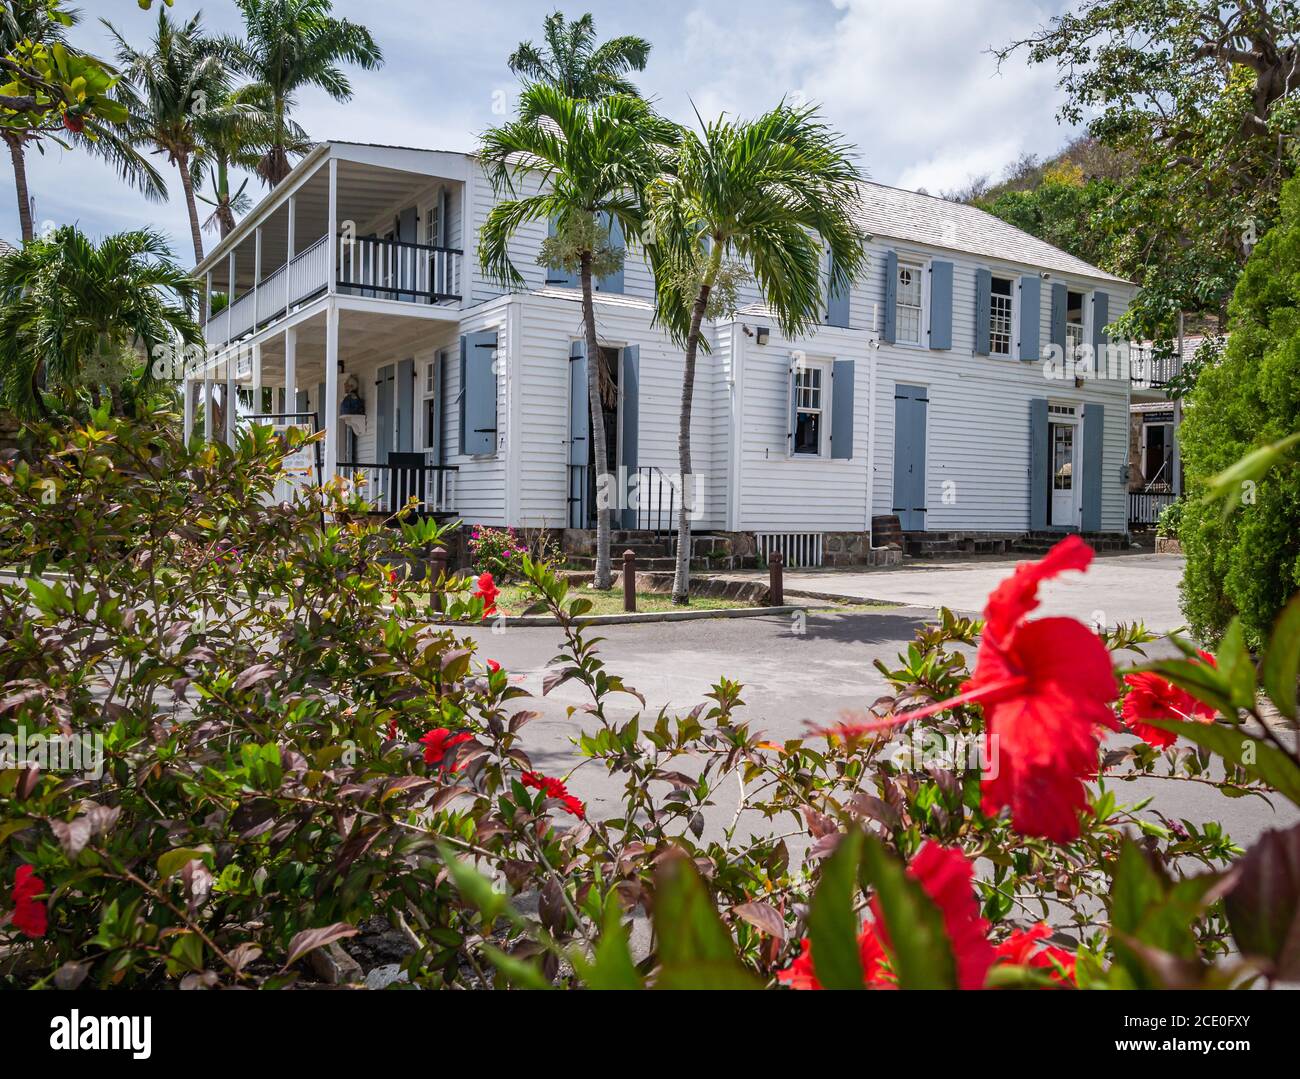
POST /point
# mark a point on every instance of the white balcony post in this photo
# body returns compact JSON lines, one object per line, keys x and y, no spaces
{"x":330,"y":406}
{"x":208,"y":425}
{"x":207,"y":298}
{"x":230,"y":284}
{"x":331,"y":240}
{"x":187,"y":407}
{"x":257,"y":280}
{"x":231,"y":397}
{"x":291,"y":369}
{"x":288,"y":261}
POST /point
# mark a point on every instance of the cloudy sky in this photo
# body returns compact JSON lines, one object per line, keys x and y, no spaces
{"x":910,"y":82}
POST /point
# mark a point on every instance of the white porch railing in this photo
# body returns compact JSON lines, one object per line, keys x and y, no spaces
{"x":388,"y":269}
{"x":387,"y":488}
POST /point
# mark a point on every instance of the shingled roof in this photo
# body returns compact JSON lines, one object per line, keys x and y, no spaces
{"x":926,"y":219}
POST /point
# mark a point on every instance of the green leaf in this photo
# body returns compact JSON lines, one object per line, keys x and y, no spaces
{"x":1257,"y":757}
{"x":1227,"y":486}
{"x":610,"y":966}
{"x":175,"y":860}
{"x":1234,"y":663}
{"x":473,"y":886}
{"x":1281,"y":664}
{"x":922,"y":955}
{"x":694,"y":948}
{"x":1205,"y":683}
{"x":518,"y":971}
{"x":832,"y":921}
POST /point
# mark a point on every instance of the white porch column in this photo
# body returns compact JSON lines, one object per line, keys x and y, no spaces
{"x":230,"y":398}
{"x":208,"y":427}
{"x":330,"y":406}
{"x":187,"y":407}
{"x":291,"y":370}
{"x":207,"y":298}
{"x":258,"y":407}
{"x":332,"y":241}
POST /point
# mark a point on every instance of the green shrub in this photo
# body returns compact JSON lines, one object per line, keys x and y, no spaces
{"x":1171,"y":519}
{"x":1248,"y":563}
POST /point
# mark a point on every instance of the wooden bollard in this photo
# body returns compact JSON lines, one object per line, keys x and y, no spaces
{"x":436,"y":567}
{"x":775,"y":583}
{"x":629,"y":581}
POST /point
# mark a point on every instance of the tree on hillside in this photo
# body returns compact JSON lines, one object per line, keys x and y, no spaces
{"x":289,"y":46}
{"x":1248,"y":563}
{"x":1203,"y":95}
{"x":590,"y":163}
{"x":772,"y":193}
{"x":570,"y":59}
{"x":79,"y":316}
{"x":55,"y":93}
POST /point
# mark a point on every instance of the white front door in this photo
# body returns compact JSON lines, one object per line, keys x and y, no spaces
{"x":1065,"y":475}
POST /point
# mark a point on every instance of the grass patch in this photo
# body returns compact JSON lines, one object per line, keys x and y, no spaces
{"x":515,"y":599}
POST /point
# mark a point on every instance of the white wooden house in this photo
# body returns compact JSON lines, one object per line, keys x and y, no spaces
{"x":924,"y":395}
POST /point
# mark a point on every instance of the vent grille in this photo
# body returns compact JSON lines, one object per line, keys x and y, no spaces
{"x":799,"y":550}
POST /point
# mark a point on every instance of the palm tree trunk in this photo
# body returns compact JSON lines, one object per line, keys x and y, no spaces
{"x":18,"y":155}
{"x":682,"y":575}
{"x":187,"y":182}
{"x":603,"y":576}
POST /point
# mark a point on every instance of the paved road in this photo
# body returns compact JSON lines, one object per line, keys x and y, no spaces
{"x":1116,"y":588}
{"x":790,"y":677}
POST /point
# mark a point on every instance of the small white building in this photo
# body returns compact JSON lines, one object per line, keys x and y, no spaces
{"x":925,"y":395}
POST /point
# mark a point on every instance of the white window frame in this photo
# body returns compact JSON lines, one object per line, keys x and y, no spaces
{"x":920,"y":268}
{"x":1013,"y":310}
{"x":1085,"y":327}
{"x":823,"y":408}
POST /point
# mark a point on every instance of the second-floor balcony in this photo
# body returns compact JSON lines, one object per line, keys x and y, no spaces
{"x":364,"y":266}
{"x":364,"y":222}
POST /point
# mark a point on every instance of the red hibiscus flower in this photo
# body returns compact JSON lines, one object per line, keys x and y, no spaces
{"x":1021,"y":950}
{"x":439,"y":742}
{"x":1152,"y":697}
{"x":487,"y":591}
{"x":392,"y":730}
{"x":1046,"y":687}
{"x":554,"y":788}
{"x":945,"y":875}
{"x":493,"y":666}
{"x":29,"y":912}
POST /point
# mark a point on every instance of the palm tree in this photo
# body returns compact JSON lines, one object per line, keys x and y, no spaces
{"x":572,"y":61}
{"x":38,"y":23}
{"x":167,"y":89}
{"x":292,"y":44}
{"x":235,"y":134}
{"x":763,"y":191}
{"x":78,"y":315}
{"x":593,"y":160}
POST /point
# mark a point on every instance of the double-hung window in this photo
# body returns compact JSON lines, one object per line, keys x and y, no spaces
{"x":908,"y":304}
{"x":1074,"y":338}
{"x":1000,"y":299}
{"x":810,"y":411}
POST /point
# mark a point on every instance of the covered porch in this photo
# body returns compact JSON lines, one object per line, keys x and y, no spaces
{"x":346,"y":366}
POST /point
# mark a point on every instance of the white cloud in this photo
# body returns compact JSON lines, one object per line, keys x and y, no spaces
{"x":908,"y":81}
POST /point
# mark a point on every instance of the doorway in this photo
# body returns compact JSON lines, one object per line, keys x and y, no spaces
{"x":1065,"y":507}
{"x":910,"y":404}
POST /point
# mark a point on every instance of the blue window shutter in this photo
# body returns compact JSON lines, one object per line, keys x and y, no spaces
{"x":794,"y":410}
{"x":579,"y":405}
{"x":891,"y":296}
{"x":478,"y":393}
{"x":940,"y":304}
{"x":842,"y":410}
{"x":1094,"y":427}
{"x":983,"y":310}
{"x":1060,"y":301}
{"x":321,"y":418}
{"x":383,"y":413}
{"x":1100,"y":317}
{"x":301,"y":403}
{"x":405,"y":405}
{"x":629,"y":422}
{"x":613,"y":282}
{"x":837,"y":300}
{"x":1039,"y":485}
{"x":557,"y":275}
{"x":1031,"y":314}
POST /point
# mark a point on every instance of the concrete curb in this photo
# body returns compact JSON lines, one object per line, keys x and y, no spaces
{"x":542,"y":620}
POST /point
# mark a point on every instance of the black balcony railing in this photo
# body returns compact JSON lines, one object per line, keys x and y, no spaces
{"x":389,"y":487}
